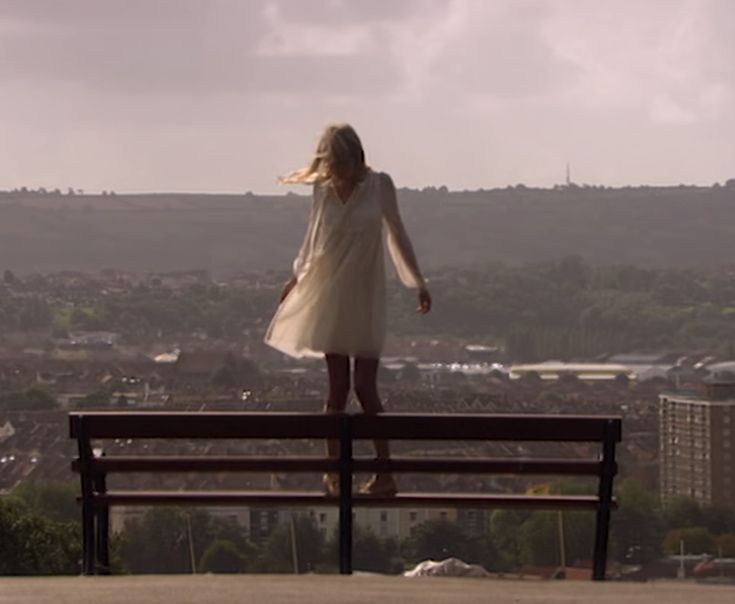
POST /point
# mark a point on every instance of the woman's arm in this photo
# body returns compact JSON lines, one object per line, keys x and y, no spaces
{"x":399,"y":244}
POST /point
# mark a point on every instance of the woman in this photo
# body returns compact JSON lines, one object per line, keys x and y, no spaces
{"x":334,"y":304}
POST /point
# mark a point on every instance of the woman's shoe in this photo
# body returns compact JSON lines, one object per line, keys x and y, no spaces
{"x":380,"y":485}
{"x":331,"y":484}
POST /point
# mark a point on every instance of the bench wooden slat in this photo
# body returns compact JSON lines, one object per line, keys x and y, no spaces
{"x":397,"y":426}
{"x":434,"y":465}
{"x":155,"y":463}
{"x":210,"y":424}
{"x":312,"y":498}
{"x":499,"y":427}
{"x":481,"y":465}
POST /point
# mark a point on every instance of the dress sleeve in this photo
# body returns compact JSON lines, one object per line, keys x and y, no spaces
{"x":399,"y":244}
{"x":301,"y":261}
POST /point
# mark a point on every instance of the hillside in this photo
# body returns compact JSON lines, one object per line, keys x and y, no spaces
{"x":649,"y":226}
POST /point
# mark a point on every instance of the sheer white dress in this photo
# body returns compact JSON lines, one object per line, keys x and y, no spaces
{"x":338,"y":304}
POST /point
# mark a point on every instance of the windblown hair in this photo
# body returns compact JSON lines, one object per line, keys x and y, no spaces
{"x":339,"y":151}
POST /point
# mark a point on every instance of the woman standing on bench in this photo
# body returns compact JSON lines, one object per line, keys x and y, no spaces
{"x":334,"y":305}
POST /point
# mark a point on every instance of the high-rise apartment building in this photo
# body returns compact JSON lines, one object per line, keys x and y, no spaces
{"x":697,"y":442}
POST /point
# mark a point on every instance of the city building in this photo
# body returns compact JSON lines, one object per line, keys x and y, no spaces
{"x":697,"y":441}
{"x":385,"y":523}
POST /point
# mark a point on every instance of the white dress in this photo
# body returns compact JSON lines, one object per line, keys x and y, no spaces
{"x":338,"y":304}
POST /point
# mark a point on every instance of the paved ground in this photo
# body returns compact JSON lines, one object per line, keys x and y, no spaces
{"x":333,"y":589}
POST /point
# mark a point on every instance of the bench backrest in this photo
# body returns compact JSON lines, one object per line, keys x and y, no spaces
{"x":96,"y":499}
{"x":395,"y":426}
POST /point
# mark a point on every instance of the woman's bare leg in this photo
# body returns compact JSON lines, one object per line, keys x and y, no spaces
{"x":338,"y":368}
{"x":366,"y":388}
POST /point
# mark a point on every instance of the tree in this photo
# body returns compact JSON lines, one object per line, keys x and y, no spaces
{"x":504,"y":533}
{"x":278,"y":550}
{"x":221,"y":556}
{"x":35,"y":313}
{"x":573,"y":272}
{"x":719,"y":519}
{"x":369,"y":552}
{"x":94,"y":400}
{"x":440,"y":539}
{"x":162,"y":541}
{"x":636,"y":531}
{"x":31,"y":399}
{"x":726,"y":545}
{"x":54,"y":500}
{"x":539,"y":539}
{"x":683,"y":512}
{"x":33,"y":544}
{"x":696,"y":539}
{"x":524,"y":537}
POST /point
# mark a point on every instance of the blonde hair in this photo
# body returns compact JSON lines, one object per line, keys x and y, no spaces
{"x":339,"y":151}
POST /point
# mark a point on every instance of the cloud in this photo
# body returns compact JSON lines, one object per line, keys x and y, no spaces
{"x":129,"y":46}
{"x":196,"y":48}
{"x":226,"y":94}
{"x":340,"y":13}
{"x":667,"y":59}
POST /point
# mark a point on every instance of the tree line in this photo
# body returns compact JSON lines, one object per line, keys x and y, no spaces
{"x":40,"y":534}
{"x":563,"y":310}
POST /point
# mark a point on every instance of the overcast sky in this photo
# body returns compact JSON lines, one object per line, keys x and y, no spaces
{"x":225,"y":95}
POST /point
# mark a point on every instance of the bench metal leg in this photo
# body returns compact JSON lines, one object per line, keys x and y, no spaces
{"x":103,"y":530}
{"x":86,"y":457}
{"x":601,"y":538}
{"x":345,"y":497}
{"x":602,"y":528}
{"x":88,"y":532}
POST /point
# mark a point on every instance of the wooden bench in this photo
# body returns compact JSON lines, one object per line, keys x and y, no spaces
{"x":94,"y":467}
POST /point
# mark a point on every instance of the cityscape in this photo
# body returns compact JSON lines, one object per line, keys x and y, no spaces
{"x":429,"y":301}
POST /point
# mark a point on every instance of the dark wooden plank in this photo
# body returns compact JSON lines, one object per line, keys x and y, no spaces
{"x":163,"y":424}
{"x":210,"y":464}
{"x":482,"y":465}
{"x":448,"y":465}
{"x":281,"y":498}
{"x":480,"y":500}
{"x":111,"y":424}
{"x":575,"y":428}
{"x":313,"y":498}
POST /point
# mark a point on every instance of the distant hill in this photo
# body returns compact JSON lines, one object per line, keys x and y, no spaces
{"x":652,"y":226}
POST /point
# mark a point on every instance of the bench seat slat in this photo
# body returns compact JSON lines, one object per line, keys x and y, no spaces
{"x":313,"y":498}
{"x":151,"y":463}
{"x":434,"y":465}
{"x":481,"y":465}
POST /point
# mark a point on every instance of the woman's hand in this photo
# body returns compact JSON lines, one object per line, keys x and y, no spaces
{"x":287,"y":288}
{"x":424,"y":301}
